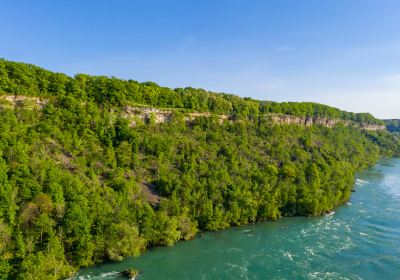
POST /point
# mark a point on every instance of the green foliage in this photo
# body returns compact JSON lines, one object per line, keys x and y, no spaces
{"x":306,"y":109}
{"x":78,"y":185}
{"x":48,"y":264}
{"x":123,"y":240}
{"x":393,"y":125}
{"x":26,"y":79}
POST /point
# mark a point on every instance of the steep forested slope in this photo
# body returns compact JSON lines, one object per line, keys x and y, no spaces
{"x":393,"y":125}
{"x":79,"y":184}
{"x":29,"y":80}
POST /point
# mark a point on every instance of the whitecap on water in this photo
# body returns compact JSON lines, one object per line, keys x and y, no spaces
{"x":321,"y":245}
{"x":77,"y":277}
{"x":242,"y":269}
{"x":304,"y":232}
{"x":347,"y":244}
{"x":361,"y":182}
{"x":102,"y":276}
{"x":234,"y":249}
{"x":331,"y":213}
{"x":325,"y":275}
{"x":288,"y":255}
{"x":309,"y":251}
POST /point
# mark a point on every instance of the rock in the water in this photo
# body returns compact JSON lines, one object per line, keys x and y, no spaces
{"x":131,"y":273}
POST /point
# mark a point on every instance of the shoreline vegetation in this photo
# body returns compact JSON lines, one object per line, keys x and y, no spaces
{"x":81,"y":184}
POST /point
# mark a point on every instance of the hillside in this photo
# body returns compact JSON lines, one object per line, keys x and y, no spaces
{"x":28,"y":80}
{"x":393,"y":125}
{"x":97,"y":168}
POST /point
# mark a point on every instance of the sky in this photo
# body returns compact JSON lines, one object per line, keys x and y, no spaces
{"x":344,"y":53}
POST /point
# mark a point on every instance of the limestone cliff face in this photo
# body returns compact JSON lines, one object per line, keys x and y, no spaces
{"x":308,"y":121}
{"x":145,"y":114}
{"x":16,"y":100}
{"x":373,"y":127}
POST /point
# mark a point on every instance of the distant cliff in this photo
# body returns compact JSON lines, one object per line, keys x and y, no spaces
{"x":159,"y":115}
{"x":145,"y":114}
{"x":308,"y":121}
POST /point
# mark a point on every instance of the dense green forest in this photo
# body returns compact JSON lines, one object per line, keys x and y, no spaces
{"x":29,"y":80}
{"x":79,"y":185}
{"x":393,"y":125}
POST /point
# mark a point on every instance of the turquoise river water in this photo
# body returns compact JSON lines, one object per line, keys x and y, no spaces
{"x":361,"y":240}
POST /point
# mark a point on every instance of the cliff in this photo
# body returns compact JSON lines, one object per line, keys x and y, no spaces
{"x":17,"y":100}
{"x":158,"y":115}
{"x":144,"y":114}
{"x":308,"y":121}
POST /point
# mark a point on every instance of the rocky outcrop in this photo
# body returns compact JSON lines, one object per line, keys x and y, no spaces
{"x":308,"y":121}
{"x":147,"y":114}
{"x":372,"y":127}
{"x":16,"y":100}
{"x":151,"y":193}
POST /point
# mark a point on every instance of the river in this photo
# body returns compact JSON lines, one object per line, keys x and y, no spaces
{"x":361,"y":240}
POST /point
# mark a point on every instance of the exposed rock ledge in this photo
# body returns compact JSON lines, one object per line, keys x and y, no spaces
{"x":372,"y":127}
{"x":145,"y":114}
{"x":308,"y":121}
{"x":19,"y":100}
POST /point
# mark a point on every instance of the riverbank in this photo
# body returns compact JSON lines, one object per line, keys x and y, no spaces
{"x":360,"y":240}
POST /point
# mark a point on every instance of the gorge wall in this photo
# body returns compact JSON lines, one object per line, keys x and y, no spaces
{"x":308,"y":121}
{"x":147,"y":114}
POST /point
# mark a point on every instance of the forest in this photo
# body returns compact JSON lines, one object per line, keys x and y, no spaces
{"x":30,"y":80}
{"x":79,"y":185}
{"x":393,"y":125}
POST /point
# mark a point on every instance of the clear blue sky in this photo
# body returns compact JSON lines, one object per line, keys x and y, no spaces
{"x":344,"y":53}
